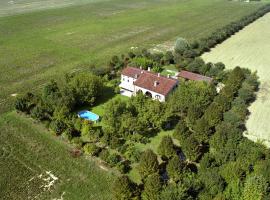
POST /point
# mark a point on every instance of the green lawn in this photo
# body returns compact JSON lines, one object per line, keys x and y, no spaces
{"x":38,"y":46}
{"x":27,"y":150}
{"x":169,"y":70}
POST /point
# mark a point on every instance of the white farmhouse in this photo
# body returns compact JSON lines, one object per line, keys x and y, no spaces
{"x":156,"y":86}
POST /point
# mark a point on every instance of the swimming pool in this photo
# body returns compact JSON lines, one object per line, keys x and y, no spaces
{"x":85,"y":114}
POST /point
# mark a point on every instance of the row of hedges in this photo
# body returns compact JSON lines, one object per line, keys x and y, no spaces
{"x":217,"y":37}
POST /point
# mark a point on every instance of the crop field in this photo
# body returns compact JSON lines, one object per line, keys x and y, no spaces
{"x":37,"y":46}
{"x":36,"y":166}
{"x":250,"y":49}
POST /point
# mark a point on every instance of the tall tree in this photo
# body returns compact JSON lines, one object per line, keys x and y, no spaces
{"x":181,"y":45}
{"x":123,"y":188}
{"x":148,"y":163}
{"x":152,"y":187}
{"x":175,"y":168}
{"x":166,"y":147}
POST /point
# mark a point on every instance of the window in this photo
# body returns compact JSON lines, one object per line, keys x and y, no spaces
{"x":158,"y":97}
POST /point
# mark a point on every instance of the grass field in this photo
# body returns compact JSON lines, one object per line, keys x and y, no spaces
{"x":11,"y":7}
{"x":28,"y":153}
{"x":250,"y":49}
{"x":41,"y":45}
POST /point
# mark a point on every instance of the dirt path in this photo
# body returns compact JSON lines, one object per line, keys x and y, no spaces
{"x":250,"y":48}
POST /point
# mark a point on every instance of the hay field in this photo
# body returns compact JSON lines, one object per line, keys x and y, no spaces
{"x":37,"y":46}
{"x":250,"y":48}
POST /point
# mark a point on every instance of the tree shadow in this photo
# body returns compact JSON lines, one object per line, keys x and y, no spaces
{"x":107,"y":94}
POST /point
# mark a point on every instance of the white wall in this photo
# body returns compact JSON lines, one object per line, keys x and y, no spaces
{"x":154,"y":94}
{"x":127,"y":83}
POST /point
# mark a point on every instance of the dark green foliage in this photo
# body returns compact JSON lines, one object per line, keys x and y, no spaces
{"x":148,"y":163}
{"x":213,"y":114}
{"x":91,"y":149}
{"x":195,"y":95}
{"x":25,"y":103}
{"x":87,"y":88}
{"x":191,"y":148}
{"x":123,"y":166}
{"x":202,"y":130}
{"x":39,"y":113}
{"x":77,"y":142}
{"x":175,"y":168}
{"x":255,"y":188}
{"x":113,"y":159}
{"x":181,"y":45}
{"x":196,"y":65}
{"x":123,"y":188}
{"x":193,"y":114}
{"x":152,"y":187}
{"x":132,"y":153}
{"x":166,"y":147}
{"x":213,"y":182}
{"x":175,"y":192}
{"x":138,"y":117}
{"x":181,"y":132}
{"x":57,"y":126}
{"x":168,"y":58}
{"x":104,"y":154}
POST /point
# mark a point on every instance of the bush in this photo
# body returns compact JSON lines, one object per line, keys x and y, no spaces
{"x":38,"y":113}
{"x":57,"y":126}
{"x":91,"y":149}
{"x":123,"y":167}
{"x":77,"y":142}
{"x":104,"y":154}
{"x":181,"y":45}
{"x":25,"y":103}
{"x":113,"y":159}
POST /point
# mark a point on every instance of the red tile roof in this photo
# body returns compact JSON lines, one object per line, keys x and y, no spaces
{"x":193,"y":76}
{"x":147,"y":80}
{"x":156,"y":83}
{"x":132,"y":72}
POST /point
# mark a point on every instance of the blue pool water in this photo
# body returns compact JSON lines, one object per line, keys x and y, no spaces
{"x":85,"y":114}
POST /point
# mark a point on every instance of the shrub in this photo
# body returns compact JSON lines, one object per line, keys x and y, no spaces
{"x":57,"y":126}
{"x":77,"y":142}
{"x":113,"y":159}
{"x":91,"y":149}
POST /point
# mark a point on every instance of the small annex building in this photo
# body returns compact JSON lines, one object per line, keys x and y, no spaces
{"x":153,"y":85}
{"x":186,"y":75}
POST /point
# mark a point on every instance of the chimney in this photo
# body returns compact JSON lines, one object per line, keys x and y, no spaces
{"x":168,"y":76}
{"x":158,"y":74}
{"x":149,"y":69}
{"x":136,"y":76}
{"x":140,"y":67}
{"x":142,"y":72}
{"x":156,"y":83}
